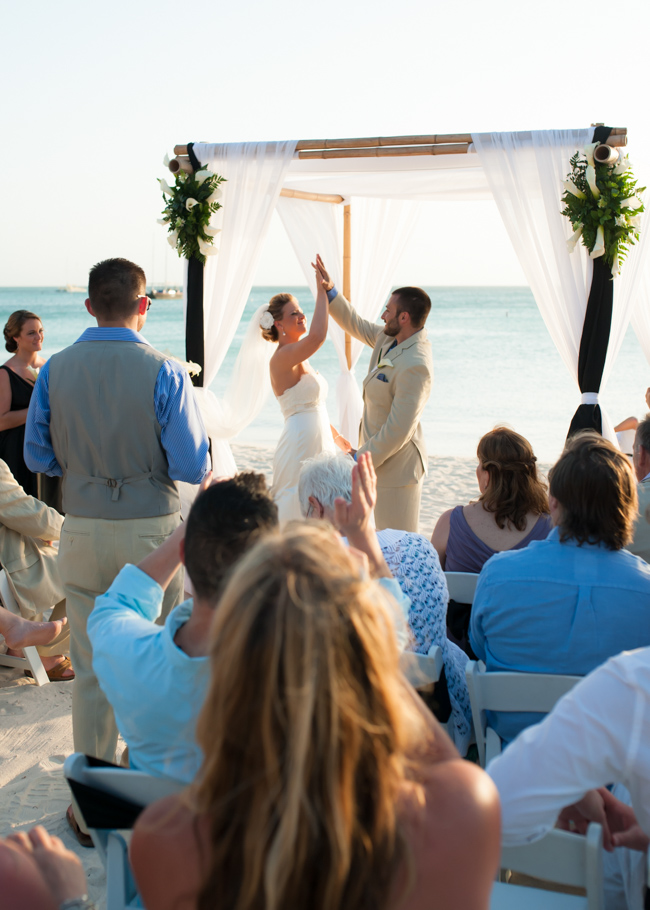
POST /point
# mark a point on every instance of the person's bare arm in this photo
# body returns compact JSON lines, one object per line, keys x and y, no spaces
{"x":290,"y":355}
{"x":60,"y":869}
{"x":440,"y":536}
{"x":344,"y":313}
{"x":9,"y":418}
{"x":353,"y":518}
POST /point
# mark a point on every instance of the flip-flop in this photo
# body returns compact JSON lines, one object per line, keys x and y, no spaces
{"x":84,"y":839}
{"x":56,"y":673}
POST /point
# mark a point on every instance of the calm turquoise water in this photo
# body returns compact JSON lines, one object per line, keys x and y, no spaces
{"x":494,"y":363}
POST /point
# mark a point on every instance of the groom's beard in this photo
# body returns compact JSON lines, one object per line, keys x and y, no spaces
{"x":391,"y":328}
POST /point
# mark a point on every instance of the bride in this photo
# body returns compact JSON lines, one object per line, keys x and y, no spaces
{"x":301,"y":393}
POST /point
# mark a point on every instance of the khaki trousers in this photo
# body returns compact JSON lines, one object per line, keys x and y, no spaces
{"x":399,"y":507}
{"x":91,"y":553}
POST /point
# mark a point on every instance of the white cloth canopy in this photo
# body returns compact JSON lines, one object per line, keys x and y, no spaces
{"x":522,"y":172}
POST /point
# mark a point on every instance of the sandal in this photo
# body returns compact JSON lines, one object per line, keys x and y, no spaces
{"x":56,"y":673}
{"x":84,"y":839}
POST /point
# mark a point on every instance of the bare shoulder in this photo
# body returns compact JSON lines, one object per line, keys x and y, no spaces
{"x":165,"y":854}
{"x":453,"y":834}
{"x":440,"y":534}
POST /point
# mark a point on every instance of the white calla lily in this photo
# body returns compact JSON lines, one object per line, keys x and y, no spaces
{"x":164,"y":186}
{"x":589,"y":152}
{"x":212,"y":231}
{"x":590,"y":174}
{"x":216,"y":195}
{"x":203,"y":175}
{"x":206,"y":248}
{"x":573,"y":239}
{"x":166,"y":160}
{"x":634,"y":221}
{"x":570,"y":187}
{"x":599,"y":245}
{"x":616,"y":267}
{"x":623,"y":165}
{"x":172,"y":240}
{"x":190,"y":203}
{"x":162,"y":220}
{"x":632,"y":202}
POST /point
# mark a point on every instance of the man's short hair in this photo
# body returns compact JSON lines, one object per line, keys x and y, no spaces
{"x":596,"y":489}
{"x":415,"y":302}
{"x":114,"y":286}
{"x":325,"y":477}
{"x":224,"y":522}
{"x":643,"y":433}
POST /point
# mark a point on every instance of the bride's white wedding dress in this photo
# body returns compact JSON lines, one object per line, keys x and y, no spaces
{"x":306,"y":433}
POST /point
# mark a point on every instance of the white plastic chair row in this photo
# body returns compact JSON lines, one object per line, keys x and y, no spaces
{"x":32,"y":659}
{"x":117,"y":784}
{"x":461,"y":586}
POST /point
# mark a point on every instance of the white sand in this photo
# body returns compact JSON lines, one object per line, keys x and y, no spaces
{"x":36,"y":725}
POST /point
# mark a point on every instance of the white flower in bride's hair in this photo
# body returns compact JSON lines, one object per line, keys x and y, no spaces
{"x":203,"y":175}
{"x":190,"y":203}
{"x":165,"y":187}
{"x":211,"y":231}
{"x":266,"y":320}
{"x":206,"y":248}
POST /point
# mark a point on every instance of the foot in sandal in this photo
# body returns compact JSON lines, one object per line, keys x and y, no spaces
{"x":22,"y":633}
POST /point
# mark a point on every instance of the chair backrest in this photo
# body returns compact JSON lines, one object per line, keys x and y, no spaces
{"x":461,"y":586}
{"x":422,"y":669}
{"x":497,"y":691}
{"x":567,"y":859}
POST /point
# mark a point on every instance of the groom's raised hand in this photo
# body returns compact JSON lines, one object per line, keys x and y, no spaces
{"x":322,"y":274}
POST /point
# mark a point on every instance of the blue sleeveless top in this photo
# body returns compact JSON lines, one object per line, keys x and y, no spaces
{"x":467,"y":553}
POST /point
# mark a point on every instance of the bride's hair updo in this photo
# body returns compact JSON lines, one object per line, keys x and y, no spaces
{"x":276,"y":306}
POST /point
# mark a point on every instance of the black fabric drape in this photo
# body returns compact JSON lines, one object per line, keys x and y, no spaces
{"x":194,"y":335}
{"x":595,"y":334}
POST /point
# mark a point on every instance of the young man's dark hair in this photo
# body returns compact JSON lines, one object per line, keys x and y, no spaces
{"x":415,"y":302}
{"x":224,"y":522}
{"x":595,"y":488}
{"x":114,"y":286}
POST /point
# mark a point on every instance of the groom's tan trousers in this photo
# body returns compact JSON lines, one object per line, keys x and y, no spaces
{"x":399,"y":507}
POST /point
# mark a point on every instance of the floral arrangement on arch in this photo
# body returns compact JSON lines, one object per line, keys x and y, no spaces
{"x":601,"y":200}
{"x":189,"y":204}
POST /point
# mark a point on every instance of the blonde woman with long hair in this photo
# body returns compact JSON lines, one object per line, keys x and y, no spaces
{"x":325,"y":784}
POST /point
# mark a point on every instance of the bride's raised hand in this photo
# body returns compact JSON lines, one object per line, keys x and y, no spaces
{"x":322,"y":274}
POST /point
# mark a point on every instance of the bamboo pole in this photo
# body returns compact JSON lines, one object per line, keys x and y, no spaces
{"x":347,"y":272}
{"x":617,"y":139}
{"x":333,"y":198}
{"x":402,"y":151}
{"x":181,"y":163}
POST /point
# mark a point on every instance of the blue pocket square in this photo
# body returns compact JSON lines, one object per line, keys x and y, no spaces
{"x":382,"y":377}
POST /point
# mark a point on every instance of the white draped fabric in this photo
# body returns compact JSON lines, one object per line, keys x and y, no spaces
{"x":636,"y":275}
{"x":255,"y":172}
{"x":525,"y":174}
{"x":381,"y":229}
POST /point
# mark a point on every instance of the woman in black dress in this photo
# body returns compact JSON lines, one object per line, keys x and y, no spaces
{"x":24,"y":339}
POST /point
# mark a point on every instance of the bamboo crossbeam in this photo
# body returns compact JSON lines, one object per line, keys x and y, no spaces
{"x":617,"y":139}
{"x":332,"y":198}
{"x":387,"y":151}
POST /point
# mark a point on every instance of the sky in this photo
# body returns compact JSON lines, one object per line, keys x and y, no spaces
{"x":96,"y":94}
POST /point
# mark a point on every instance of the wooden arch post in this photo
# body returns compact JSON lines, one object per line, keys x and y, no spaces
{"x":347,"y":272}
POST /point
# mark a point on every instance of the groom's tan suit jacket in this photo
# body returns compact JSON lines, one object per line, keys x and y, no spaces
{"x":390,"y":427}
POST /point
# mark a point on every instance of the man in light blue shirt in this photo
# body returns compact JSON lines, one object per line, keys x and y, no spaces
{"x":566,"y":604}
{"x":156,"y":677}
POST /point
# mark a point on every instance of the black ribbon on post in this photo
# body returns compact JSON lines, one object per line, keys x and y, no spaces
{"x":595,"y":334}
{"x":194,"y":335}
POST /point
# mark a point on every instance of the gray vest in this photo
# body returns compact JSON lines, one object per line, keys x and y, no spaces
{"x":105,"y":433}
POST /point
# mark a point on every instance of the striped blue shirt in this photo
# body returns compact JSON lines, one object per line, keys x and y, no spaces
{"x":182,"y":433}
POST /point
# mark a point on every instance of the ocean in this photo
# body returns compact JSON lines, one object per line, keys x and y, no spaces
{"x":493,"y":357}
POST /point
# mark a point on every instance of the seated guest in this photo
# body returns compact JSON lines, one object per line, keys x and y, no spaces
{"x":27,"y":528}
{"x":567,"y":603}
{"x":414,"y":564}
{"x":640,"y":545}
{"x":326,"y":783}
{"x":511,"y":511}
{"x":20,"y":633}
{"x":598,"y":734}
{"x":155,"y":677}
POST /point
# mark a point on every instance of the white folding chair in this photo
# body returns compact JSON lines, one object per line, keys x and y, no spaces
{"x":499,"y":691}
{"x":32,"y":659}
{"x":110,"y":798}
{"x":422,"y":669}
{"x":461,"y":586}
{"x":559,"y":857}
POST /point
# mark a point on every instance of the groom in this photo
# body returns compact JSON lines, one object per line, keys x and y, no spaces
{"x":395,"y":392}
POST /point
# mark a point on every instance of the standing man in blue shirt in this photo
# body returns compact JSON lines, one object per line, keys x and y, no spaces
{"x":119,"y":422}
